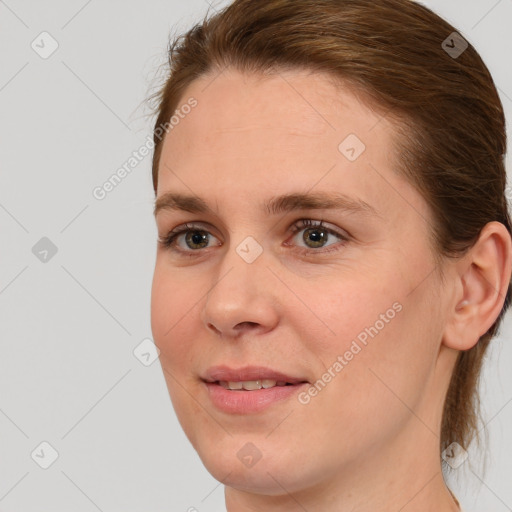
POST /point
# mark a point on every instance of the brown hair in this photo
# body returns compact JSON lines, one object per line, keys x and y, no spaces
{"x":447,"y":113}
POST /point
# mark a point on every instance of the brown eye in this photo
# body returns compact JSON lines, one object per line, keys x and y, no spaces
{"x":317,"y":236}
{"x":196,"y":238}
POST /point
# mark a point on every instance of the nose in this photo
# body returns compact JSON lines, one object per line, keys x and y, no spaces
{"x":242,"y":299}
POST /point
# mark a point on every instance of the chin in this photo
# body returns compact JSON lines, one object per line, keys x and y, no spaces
{"x":231,"y":464}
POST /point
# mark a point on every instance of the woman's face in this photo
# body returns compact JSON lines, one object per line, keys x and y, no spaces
{"x":352,"y":310}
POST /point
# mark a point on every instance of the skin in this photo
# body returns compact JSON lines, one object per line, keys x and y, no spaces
{"x":370,"y":439}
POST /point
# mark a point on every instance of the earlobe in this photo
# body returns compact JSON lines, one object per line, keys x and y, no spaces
{"x":483,"y":276}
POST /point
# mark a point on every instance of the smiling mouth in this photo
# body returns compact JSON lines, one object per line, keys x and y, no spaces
{"x":241,"y":397}
{"x":253,"y":385}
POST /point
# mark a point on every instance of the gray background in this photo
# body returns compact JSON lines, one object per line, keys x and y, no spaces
{"x":69,"y":326}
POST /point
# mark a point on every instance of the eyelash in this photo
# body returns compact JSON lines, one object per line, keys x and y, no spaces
{"x":169,"y":241}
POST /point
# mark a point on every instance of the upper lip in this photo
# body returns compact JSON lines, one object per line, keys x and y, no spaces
{"x":246,"y":373}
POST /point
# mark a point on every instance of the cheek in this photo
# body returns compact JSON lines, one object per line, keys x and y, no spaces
{"x":171,"y":305}
{"x":355,"y":310}
{"x":377,"y":349}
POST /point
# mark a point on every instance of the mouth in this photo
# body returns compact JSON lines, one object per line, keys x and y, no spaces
{"x":253,"y":385}
{"x":243,"y":402}
{"x":250,"y":389}
{"x":249,"y":378}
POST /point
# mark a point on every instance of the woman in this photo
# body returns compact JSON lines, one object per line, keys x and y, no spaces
{"x":334,"y":250}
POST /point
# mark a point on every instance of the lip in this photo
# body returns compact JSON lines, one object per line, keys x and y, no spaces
{"x":225,"y":373}
{"x":249,"y":402}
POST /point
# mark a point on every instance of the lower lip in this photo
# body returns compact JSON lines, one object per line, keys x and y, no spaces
{"x":245,"y":402}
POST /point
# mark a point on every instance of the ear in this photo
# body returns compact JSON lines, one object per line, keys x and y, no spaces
{"x":482,"y":279}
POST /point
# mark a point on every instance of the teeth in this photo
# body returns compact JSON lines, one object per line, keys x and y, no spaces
{"x":251,"y":385}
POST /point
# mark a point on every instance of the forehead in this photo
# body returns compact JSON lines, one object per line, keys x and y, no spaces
{"x":251,"y":134}
{"x":287,"y":104}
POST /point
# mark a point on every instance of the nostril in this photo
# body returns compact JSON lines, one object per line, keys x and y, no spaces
{"x":242,"y":325}
{"x":213,"y":328}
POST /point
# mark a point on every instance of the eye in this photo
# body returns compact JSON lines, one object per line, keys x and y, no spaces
{"x":316,"y":235}
{"x":194,"y":238}
{"x":189,"y":239}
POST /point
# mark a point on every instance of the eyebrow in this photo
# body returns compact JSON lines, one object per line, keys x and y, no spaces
{"x":276,"y":205}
